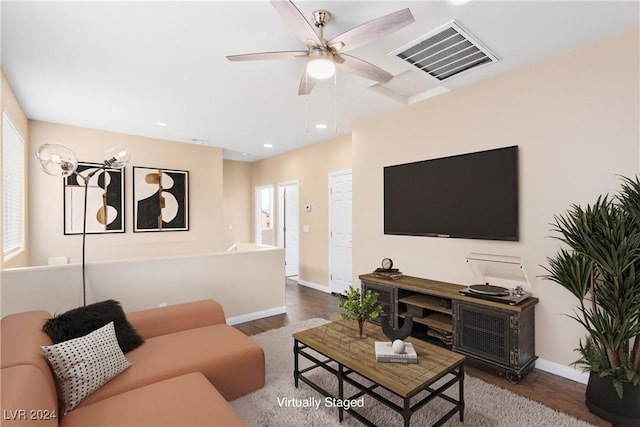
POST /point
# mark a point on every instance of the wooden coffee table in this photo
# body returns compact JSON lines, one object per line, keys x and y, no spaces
{"x":351,"y":359}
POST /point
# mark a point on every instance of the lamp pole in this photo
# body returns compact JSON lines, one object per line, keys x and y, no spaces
{"x":84,"y":237}
{"x":107,"y":163}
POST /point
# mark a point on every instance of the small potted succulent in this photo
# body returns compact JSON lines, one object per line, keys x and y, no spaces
{"x":360,"y":307}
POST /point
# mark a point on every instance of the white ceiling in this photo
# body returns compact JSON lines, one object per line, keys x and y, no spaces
{"x":124,"y":66}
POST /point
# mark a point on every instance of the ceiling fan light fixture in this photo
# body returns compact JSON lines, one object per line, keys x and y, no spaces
{"x":323,"y":54}
{"x":321,"y":65}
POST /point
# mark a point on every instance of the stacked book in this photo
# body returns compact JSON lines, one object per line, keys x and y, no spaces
{"x":387,"y":273}
{"x":444,"y":336}
{"x":385,"y":353}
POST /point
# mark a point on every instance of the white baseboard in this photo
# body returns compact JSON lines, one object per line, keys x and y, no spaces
{"x":256,"y":315}
{"x":563,"y":371}
{"x":314,"y":286}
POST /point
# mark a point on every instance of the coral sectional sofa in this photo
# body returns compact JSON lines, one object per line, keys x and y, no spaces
{"x":189,"y":366}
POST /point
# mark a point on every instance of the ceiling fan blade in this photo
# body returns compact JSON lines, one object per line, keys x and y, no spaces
{"x":268,"y":55}
{"x":297,"y":22}
{"x":307,"y":84}
{"x":364,"y":69}
{"x":369,"y":31}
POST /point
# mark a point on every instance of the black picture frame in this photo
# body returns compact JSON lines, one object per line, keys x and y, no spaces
{"x":160,"y":199}
{"x":105,"y":201}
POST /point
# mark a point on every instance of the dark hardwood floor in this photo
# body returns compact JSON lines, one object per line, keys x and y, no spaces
{"x":556,"y":392}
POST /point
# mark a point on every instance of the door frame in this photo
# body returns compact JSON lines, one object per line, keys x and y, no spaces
{"x":281,"y":209}
{"x":329,"y":246}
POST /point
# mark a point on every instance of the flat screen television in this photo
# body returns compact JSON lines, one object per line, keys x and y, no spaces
{"x":472,"y":196}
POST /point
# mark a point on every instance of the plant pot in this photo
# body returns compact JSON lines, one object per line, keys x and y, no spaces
{"x":601,"y":399}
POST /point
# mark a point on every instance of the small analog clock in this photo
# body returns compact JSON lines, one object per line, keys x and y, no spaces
{"x":387,"y":263}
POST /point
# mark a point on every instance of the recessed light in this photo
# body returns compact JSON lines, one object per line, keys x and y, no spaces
{"x":245,"y":154}
{"x":321,"y":126}
{"x":268,"y":145}
{"x":163,"y":124}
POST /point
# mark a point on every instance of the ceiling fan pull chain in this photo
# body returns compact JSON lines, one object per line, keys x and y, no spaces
{"x":335,"y":103}
{"x":306,"y":113}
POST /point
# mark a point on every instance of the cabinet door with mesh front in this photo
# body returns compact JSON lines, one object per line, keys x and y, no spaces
{"x":482,"y":332}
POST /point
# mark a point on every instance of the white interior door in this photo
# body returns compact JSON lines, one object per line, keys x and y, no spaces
{"x":340,"y":231}
{"x":288,"y":226}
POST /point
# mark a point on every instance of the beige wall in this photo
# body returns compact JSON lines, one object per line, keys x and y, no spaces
{"x":13,"y":109}
{"x":575,"y":119}
{"x":237,"y":202}
{"x":46,"y":197}
{"x":310,"y":166}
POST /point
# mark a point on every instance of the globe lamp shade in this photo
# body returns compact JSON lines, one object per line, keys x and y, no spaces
{"x":57,"y":160}
{"x":117,"y":157}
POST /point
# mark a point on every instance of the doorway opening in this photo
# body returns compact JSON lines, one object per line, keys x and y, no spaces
{"x":264,"y":215}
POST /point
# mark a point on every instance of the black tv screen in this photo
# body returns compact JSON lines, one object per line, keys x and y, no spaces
{"x":473,"y":196}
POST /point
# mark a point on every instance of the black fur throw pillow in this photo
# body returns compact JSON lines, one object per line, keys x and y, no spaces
{"x":83,"y":320}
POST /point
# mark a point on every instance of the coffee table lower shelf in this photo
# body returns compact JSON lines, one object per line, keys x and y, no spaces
{"x":346,"y":375}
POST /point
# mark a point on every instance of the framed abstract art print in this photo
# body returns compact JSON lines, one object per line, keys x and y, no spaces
{"x":160,"y":199}
{"x":105,"y":200}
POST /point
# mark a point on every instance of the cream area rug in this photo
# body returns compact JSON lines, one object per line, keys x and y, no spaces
{"x":280,"y":404}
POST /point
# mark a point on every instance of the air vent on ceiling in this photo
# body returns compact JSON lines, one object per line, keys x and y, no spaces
{"x":445,"y":52}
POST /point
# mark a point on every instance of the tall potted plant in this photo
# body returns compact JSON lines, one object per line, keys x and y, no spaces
{"x":601,"y":269}
{"x":360,"y":307}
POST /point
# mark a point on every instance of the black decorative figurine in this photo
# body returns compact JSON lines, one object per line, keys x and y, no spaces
{"x":396,"y":334}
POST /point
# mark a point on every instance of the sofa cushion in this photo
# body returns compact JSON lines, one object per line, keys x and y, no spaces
{"x":21,"y":339}
{"x":84,"y":364}
{"x":26,"y":399}
{"x":188,"y":400}
{"x":230,"y":360}
{"x":82,"y":320}
{"x":154,"y":322}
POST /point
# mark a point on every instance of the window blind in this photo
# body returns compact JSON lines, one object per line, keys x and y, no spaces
{"x":13,"y":187}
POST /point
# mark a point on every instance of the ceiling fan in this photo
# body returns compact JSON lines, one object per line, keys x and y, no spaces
{"x":323,"y":55}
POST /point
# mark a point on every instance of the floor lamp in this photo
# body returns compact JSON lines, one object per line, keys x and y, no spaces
{"x":59,"y":160}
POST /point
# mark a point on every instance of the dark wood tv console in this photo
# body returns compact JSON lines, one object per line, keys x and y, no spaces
{"x":494,"y":335}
